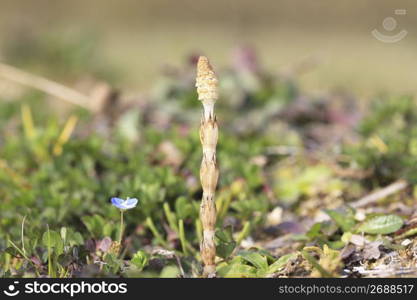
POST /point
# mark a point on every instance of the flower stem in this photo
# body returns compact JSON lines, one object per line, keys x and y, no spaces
{"x":121,"y":228}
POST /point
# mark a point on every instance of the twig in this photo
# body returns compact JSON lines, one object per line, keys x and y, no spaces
{"x":45,"y":85}
{"x":380,"y":194}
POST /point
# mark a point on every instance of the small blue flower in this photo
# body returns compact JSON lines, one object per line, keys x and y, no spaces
{"x":124,"y":204}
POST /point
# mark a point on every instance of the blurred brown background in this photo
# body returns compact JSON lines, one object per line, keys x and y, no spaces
{"x":141,"y":36}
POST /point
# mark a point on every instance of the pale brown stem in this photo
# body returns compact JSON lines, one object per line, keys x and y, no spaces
{"x":43,"y":84}
{"x":206,"y":84}
{"x":389,"y":190}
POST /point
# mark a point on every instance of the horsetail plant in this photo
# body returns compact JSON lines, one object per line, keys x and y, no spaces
{"x":207,"y":89}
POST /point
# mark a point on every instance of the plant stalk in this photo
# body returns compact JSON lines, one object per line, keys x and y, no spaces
{"x":121,"y":229}
{"x":207,"y":89}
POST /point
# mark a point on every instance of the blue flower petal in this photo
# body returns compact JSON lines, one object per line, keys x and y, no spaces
{"x":117,"y":202}
{"x":131,"y":202}
{"x":124,"y":204}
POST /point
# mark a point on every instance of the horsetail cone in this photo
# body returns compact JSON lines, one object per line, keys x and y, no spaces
{"x":207,"y":89}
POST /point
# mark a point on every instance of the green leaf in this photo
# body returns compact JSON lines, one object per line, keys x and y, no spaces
{"x":244,"y":232}
{"x":344,"y":221}
{"x":95,"y":224}
{"x":64,"y":233}
{"x":112,"y":261}
{"x":140,"y":259}
{"x":171,"y":218}
{"x":255,"y":259}
{"x":281,"y":263}
{"x":53,"y":240}
{"x":224,"y":242}
{"x":183,"y":240}
{"x":169,"y":272}
{"x":75,"y":239}
{"x":314,"y":231}
{"x":300,"y":237}
{"x":184,"y":208}
{"x":336,"y":244}
{"x":237,"y":270}
{"x":381,"y":225}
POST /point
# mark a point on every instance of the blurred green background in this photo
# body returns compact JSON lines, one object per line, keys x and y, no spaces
{"x":333,"y":38}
